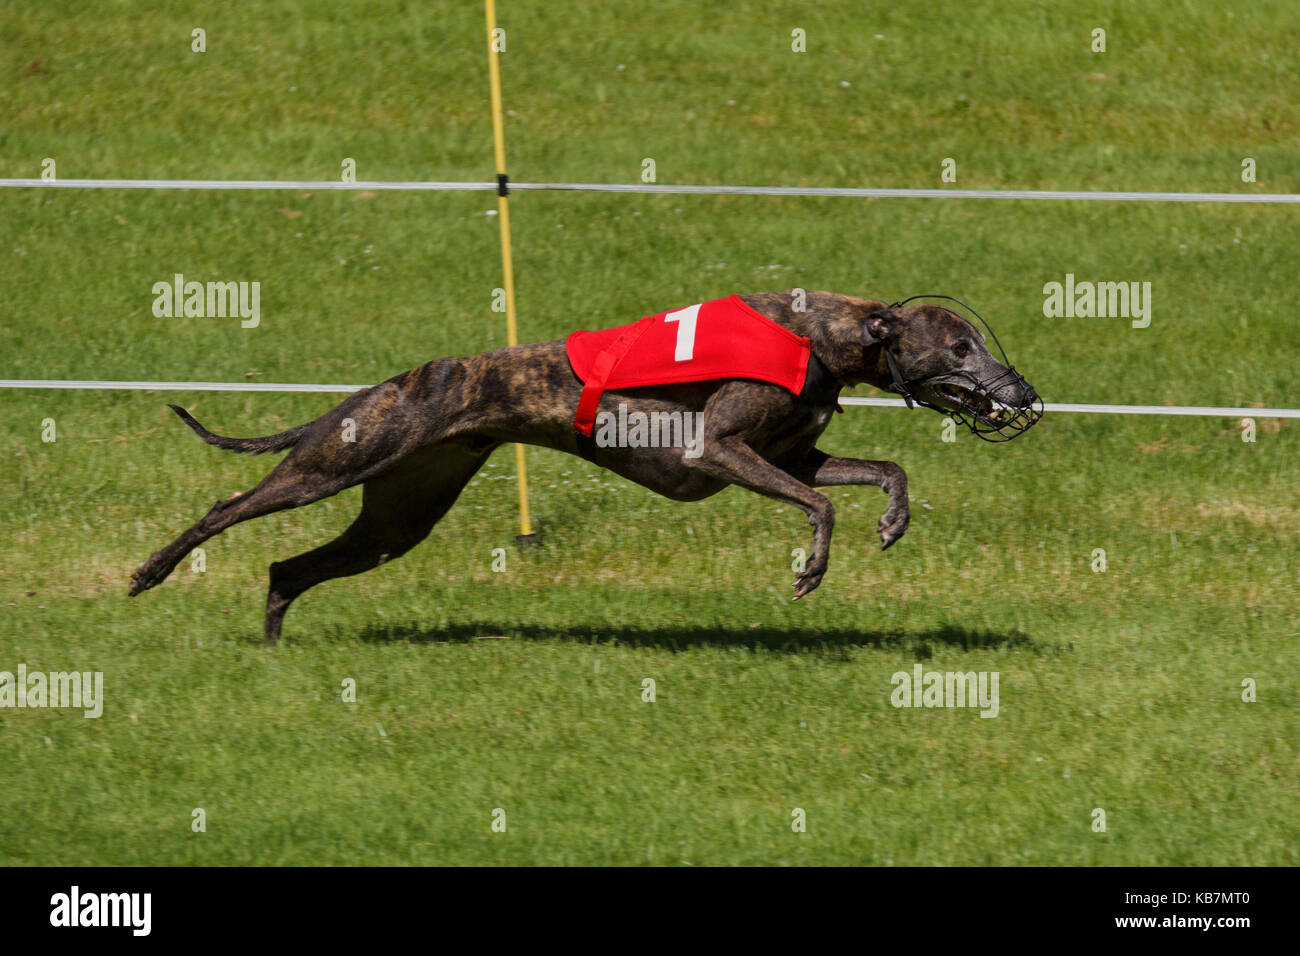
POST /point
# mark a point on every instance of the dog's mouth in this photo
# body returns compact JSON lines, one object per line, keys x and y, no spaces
{"x":975,"y":405}
{"x":960,"y":398}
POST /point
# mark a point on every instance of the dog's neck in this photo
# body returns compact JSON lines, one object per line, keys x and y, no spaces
{"x":834,"y":323}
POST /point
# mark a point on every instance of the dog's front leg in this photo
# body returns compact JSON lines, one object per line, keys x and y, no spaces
{"x":821,"y":470}
{"x":730,"y":459}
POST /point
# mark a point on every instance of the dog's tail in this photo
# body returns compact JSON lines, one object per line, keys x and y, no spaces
{"x":249,"y":446}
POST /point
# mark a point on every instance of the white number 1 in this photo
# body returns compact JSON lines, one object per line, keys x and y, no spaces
{"x":685,"y":332}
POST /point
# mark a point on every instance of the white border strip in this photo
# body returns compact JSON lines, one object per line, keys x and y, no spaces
{"x":873,"y":193}
{"x":175,"y":386}
{"x":240,"y":184}
{"x":39,"y":383}
{"x":651,"y":188}
{"x":1204,"y":410}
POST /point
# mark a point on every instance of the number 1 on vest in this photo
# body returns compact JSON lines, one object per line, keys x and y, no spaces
{"x":685,"y":350}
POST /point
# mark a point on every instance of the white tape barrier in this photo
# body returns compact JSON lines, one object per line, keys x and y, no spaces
{"x":175,"y":386}
{"x":1204,"y":410}
{"x":656,"y":188}
{"x":38,"y":383}
{"x":242,"y":184}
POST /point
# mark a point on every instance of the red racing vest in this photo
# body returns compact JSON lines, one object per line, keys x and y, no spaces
{"x":724,"y":338}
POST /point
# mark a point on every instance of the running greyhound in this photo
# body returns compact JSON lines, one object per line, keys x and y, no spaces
{"x":417,"y":439}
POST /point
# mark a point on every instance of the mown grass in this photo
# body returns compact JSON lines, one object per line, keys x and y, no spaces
{"x":523,"y":690}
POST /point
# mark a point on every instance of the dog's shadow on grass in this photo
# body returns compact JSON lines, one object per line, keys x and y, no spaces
{"x":677,"y":638}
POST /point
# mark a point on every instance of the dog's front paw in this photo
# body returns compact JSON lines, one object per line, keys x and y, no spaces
{"x":893,"y":523}
{"x":808,"y":579}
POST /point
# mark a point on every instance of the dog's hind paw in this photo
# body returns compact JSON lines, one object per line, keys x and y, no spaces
{"x":145,"y":577}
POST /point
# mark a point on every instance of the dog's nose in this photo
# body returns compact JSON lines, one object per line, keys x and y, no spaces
{"x":1030,"y":396}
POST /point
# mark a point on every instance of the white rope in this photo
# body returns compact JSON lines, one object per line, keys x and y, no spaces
{"x":655,"y":188}
{"x":175,"y":386}
{"x":1205,"y":410}
{"x":872,"y":193}
{"x":239,"y":184}
{"x":37,"y":383}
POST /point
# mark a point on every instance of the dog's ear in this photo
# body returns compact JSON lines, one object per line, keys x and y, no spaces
{"x":880,"y":326}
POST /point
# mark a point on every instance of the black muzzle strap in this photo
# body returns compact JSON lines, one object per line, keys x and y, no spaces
{"x":900,"y":385}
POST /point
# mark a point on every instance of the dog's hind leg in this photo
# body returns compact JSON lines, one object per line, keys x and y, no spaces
{"x":398,"y":510}
{"x":283,"y":488}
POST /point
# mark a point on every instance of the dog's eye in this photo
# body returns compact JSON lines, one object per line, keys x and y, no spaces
{"x":962,"y":349}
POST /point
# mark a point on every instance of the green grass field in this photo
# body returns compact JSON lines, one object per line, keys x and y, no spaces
{"x":478,"y":690}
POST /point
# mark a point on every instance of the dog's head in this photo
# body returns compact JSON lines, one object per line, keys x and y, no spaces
{"x":938,"y":359}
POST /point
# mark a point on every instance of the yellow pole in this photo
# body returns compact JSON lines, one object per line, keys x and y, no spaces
{"x":507,"y":262}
